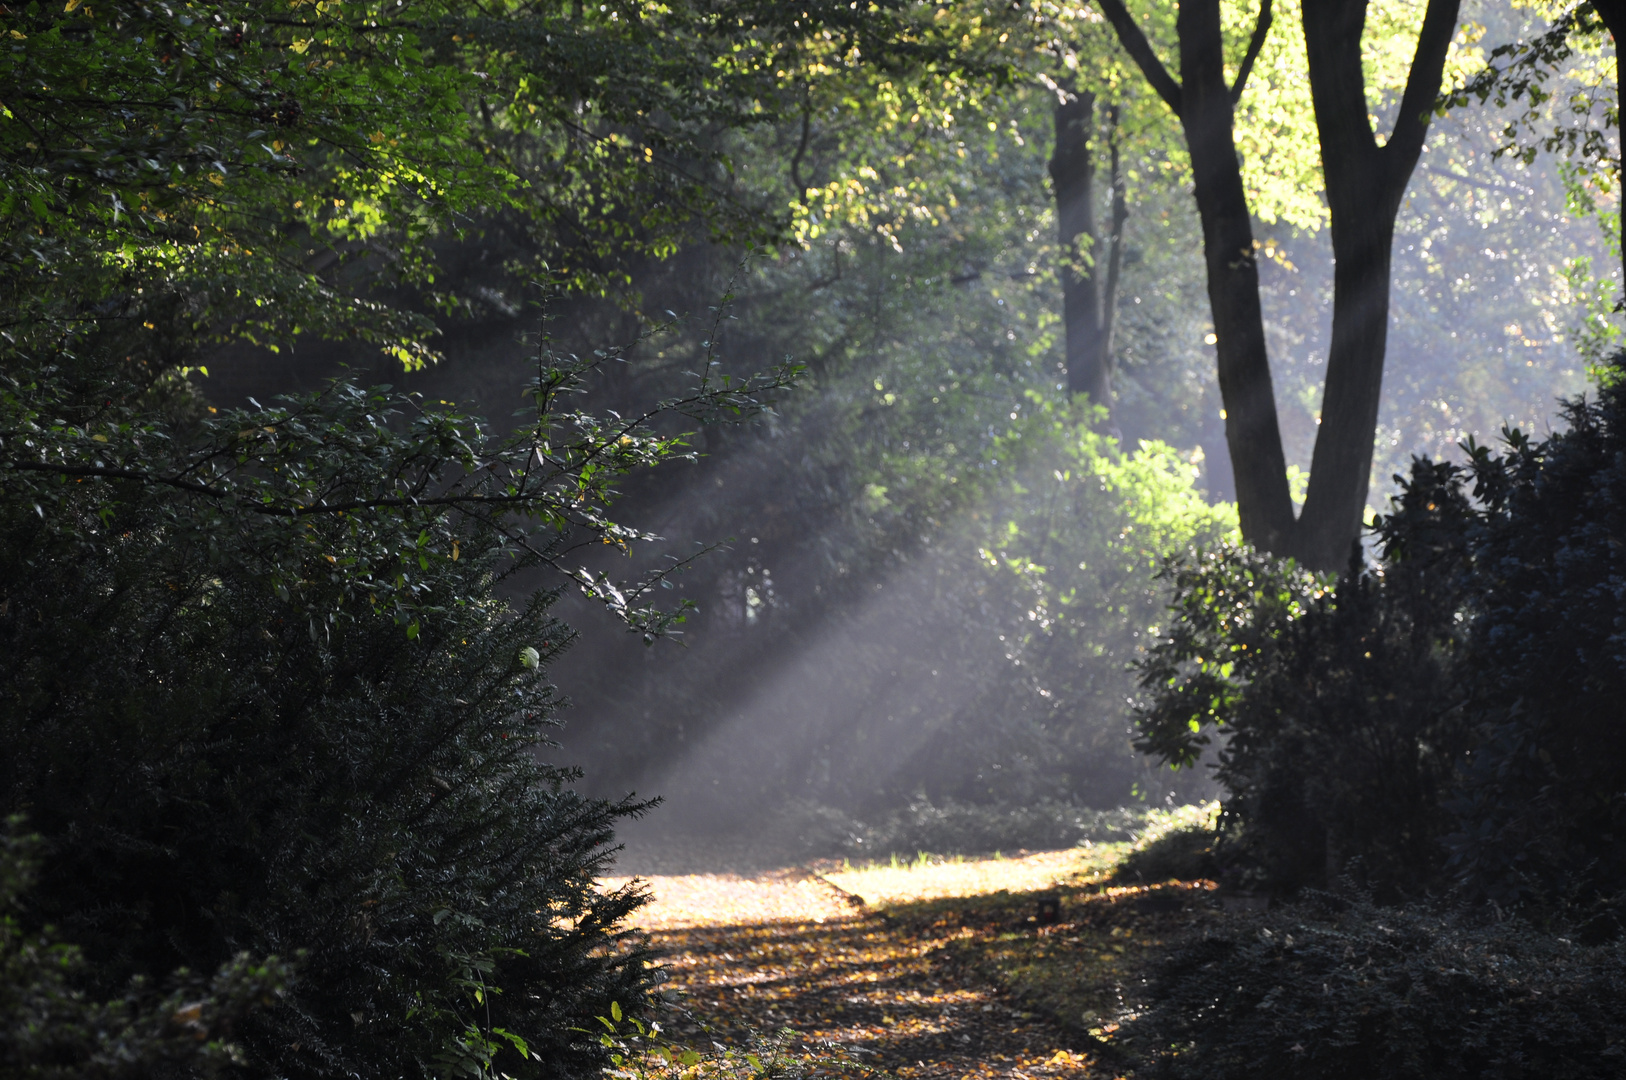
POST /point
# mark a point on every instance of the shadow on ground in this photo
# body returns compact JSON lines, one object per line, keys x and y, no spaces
{"x":949,"y":987}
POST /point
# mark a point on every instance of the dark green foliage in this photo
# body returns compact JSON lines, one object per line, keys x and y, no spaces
{"x":50,"y":1029}
{"x":244,"y":721}
{"x":1448,"y":718}
{"x":1336,"y":987}
{"x":1543,"y":801}
{"x":1181,"y":854}
{"x":1457,"y":704}
{"x":1339,"y":720}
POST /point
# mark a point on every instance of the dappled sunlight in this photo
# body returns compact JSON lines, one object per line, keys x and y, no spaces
{"x":931,"y":968}
{"x":859,"y":983}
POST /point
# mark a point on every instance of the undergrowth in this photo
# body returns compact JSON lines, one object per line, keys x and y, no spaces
{"x":1337,"y":987}
{"x":638,"y":1051}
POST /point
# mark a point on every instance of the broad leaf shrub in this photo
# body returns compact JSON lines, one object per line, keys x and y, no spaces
{"x":1340,"y":723}
{"x":1442,"y":717}
{"x":1338,"y":987}
{"x":1541,"y":805}
{"x":1442,"y":720}
{"x":51,"y":1029}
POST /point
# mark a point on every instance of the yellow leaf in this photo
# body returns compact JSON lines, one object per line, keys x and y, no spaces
{"x":72,"y":4}
{"x":301,"y":46}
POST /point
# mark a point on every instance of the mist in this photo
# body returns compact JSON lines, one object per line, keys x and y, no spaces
{"x":912,"y":596}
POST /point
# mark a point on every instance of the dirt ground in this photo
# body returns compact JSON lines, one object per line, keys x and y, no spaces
{"x":932,"y":970}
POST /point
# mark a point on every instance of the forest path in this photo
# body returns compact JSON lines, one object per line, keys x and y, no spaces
{"x":891,"y":978}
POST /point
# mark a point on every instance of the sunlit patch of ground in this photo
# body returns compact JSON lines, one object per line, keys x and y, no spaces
{"x":693,"y":900}
{"x":922,"y":979}
{"x":928,"y":878}
{"x":860,"y":983}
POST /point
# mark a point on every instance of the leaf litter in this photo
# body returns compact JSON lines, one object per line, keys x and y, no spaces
{"x":922,"y":970}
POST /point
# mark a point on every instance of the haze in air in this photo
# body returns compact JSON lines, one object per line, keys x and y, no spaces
{"x":1097,"y":521}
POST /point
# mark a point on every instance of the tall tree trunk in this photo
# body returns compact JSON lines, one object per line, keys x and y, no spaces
{"x":1072,"y":175}
{"x":1613,"y":14}
{"x":1264,"y":503}
{"x":1205,"y":107}
{"x":1365,"y":183}
{"x":1089,"y":293}
{"x":1115,"y":259}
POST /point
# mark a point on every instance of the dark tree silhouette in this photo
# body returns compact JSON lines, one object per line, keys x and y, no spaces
{"x":1089,"y":295}
{"x":1365,"y":181}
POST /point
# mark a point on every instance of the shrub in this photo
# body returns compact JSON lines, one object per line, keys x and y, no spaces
{"x":1334,"y":702}
{"x":1454,"y":703}
{"x":1174,"y":845}
{"x":216,"y":767}
{"x":1338,"y":987}
{"x":1542,"y":808}
{"x":51,"y":1030}
{"x":259,"y":694}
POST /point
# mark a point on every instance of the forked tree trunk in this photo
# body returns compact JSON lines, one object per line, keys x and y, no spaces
{"x":1365,"y":183}
{"x":1089,"y":290}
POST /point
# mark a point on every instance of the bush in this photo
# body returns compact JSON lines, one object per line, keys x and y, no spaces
{"x":1338,"y":987}
{"x":1177,"y":845}
{"x":1339,"y":722}
{"x":259,"y":694}
{"x":51,"y":1030}
{"x":1450,"y":711}
{"x":1542,"y":806}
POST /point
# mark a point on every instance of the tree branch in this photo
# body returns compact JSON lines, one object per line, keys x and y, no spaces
{"x":280,"y":509}
{"x":1423,"y":82}
{"x":1261,"y":30}
{"x":801,"y":147}
{"x":1140,"y":50}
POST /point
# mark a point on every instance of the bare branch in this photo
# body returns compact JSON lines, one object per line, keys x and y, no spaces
{"x":1423,"y":83}
{"x":1140,"y":50}
{"x":1261,"y":30}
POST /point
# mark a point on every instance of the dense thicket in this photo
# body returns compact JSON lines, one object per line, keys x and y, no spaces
{"x":1338,"y":987}
{"x":1442,"y":715}
{"x":243,"y":728}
